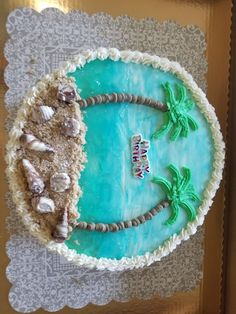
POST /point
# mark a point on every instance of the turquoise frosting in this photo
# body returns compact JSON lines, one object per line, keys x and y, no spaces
{"x":110,"y":192}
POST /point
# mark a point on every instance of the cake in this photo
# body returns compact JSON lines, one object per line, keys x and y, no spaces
{"x":114,"y":159}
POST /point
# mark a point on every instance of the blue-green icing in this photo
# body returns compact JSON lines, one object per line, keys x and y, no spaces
{"x":110,"y":192}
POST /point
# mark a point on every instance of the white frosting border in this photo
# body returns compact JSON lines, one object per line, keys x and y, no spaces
{"x":169,"y":245}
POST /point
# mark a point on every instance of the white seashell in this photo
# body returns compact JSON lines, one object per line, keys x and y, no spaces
{"x":66,"y":93}
{"x":42,"y":114}
{"x":33,"y":143}
{"x":70,"y":127}
{"x":35,"y":182}
{"x":43,"y":205}
{"x":60,"y":233}
{"x":59,"y":182}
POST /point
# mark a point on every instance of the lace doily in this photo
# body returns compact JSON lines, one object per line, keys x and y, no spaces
{"x":38,"y":43}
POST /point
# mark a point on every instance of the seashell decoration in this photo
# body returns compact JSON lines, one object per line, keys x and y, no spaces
{"x":61,"y":231}
{"x":70,"y":127}
{"x":59,"y":182}
{"x":35,"y":182}
{"x":66,"y":93}
{"x":42,"y":114}
{"x":43,"y":205}
{"x":33,"y":143}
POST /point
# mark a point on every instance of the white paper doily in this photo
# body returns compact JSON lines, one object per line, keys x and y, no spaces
{"x":38,"y":43}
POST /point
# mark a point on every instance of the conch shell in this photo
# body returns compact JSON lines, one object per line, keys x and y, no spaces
{"x":33,"y":143}
{"x":43,"y":205}
{"x":66,"y":93}
{"x":42,"y":114}
{"x":70,"y":127}
{"x":59,"y":182}
{"x":60,"y":233}
{"x":35,"y":182}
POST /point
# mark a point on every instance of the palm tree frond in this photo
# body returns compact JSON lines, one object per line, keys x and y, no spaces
{"x":192,"y":123}
{"x":175,"y":173}
{"x":189,"y":209}
{"x":182,"y":93}
{"x":190,"y":195}
{"x":188,"y":104}
{"x":176,"y":130}
{"x":169,"y":94}
{"x":164,"y":129}
{"x":165,"y":184}
{"x":185,"y":127}
{"x":174,"y":215}
{"x":186,"y":178}
{"x":185,"y":131}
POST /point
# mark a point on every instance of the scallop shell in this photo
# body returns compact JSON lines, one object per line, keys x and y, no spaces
{"x":35,"y":182}
{"x":70,"y":127}
{"x":59,"y":182}
{"x":60,"y":233}
{"x":66,"y":93}
{"x":33,"y":143}
{"x":42,"y":114}
{"x":43,"y":205}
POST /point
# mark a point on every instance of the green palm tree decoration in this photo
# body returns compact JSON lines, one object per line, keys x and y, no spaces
{"x":178,"y":121}
{"x":179,"y":192}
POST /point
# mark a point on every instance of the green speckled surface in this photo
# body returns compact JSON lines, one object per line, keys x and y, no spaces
{"x":110,"y":192}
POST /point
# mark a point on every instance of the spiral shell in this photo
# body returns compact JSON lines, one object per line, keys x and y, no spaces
{"x":31,"y":142}
{"x":42,"y":114}
{"x":43,"y":205}
{"x":59,"y":182}
{"x":35,"y":182}
{"x":60,"y":233}
{"x":70,"y":127}
{"x":66,"y":93}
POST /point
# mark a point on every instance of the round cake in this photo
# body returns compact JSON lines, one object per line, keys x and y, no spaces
{"x":114,"y":159}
